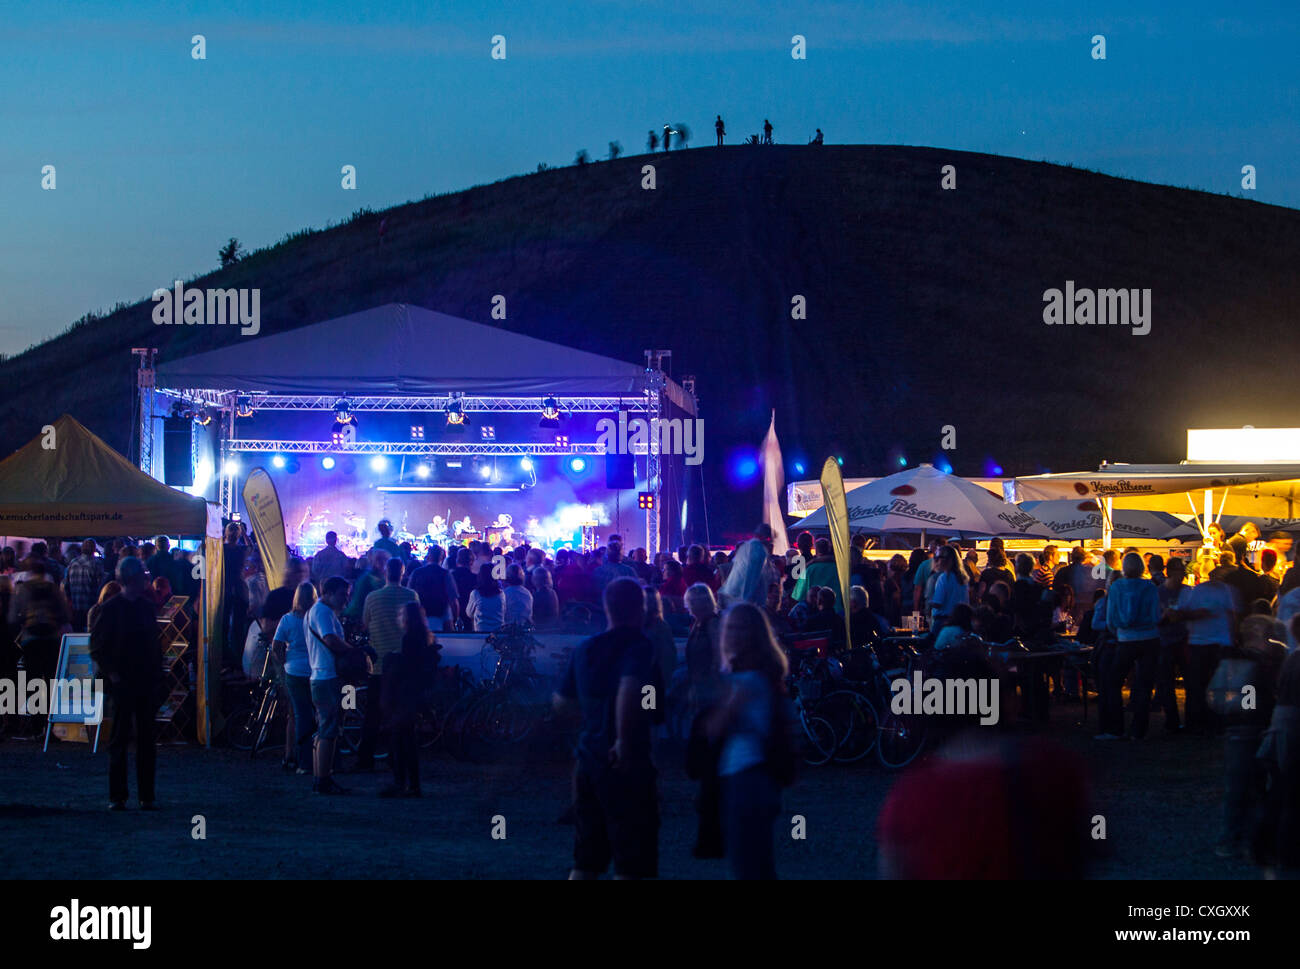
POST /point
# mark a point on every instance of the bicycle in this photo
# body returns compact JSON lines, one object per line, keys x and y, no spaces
{"x":249,"y":727}
{"x":514,"y":704}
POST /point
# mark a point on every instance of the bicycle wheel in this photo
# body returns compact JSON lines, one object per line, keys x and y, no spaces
{"x":855,"y":723}
{"x":242,"y":728}
{"x":901,"y":738}
{"x":818,"y":740}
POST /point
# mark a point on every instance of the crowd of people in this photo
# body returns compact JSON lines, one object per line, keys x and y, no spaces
{"x":1225,"y":619}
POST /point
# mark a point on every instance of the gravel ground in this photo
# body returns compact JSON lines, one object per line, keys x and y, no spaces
{"x":1160,"y":798}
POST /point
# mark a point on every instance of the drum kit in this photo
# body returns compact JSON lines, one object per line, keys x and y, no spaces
{"x":354,"y":539}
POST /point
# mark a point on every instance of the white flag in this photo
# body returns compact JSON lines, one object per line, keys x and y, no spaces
{"x":774,"y":489}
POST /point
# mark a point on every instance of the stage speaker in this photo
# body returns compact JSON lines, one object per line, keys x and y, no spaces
{"x":620,"y":471}
{"x":178,"y":457}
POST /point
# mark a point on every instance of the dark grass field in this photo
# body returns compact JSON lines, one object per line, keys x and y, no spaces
{"x":1160,"y":798}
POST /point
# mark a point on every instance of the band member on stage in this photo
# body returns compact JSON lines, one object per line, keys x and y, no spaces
{"x":438,"y":529}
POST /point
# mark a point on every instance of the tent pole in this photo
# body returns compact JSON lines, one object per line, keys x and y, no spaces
{"x":1107,"y":523}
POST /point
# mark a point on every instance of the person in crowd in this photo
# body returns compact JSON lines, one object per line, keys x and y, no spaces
{"x":751,"y":572}
{"x":776,"y":615}
{"x":1244,"y":578}
{"x":804,"y":609}
{"x":1132,"y":616}
{"x":1288,"y":606}
{"x":958,"y":626}
{"x":721,"y":567}
{"x":703,"y":651}
{"x":996,"y":568}
{"x":698,"y":569}
{"x":748,"y":717}
{"x":1045,"y":573}
{"x":1156,"y":568}
{"x":41,"y":614}
{"x":1209,"y":611}
{"x":325,"y":642}
{"x":486,"y":608}
{"x":82,"y":582}
{"x":379,"y":618}
{"x":465,"y":577}
{"x":922,"y":586}
{"x":660,"y":635}
{"x":951,"y":587}
{"x":385,"y":541}
{"x":329,"y":561}
{"x":641,"y":565}
{"x":1268,"y":578}
{"x":546,"y":605}
{"x":1244,"y":775}
{"x":1173,"y":642}
{"x":436,"y":588}
{"x":613,"y":568}
{"x":674,"y":585}
{"x":892,"y":587}
{"x":821,"y":571}
{"x":289,"y":644}
{"x":865,"y":625}
{"x":408,"y":681}
{"x":160,"y":564}
{"x":518,"y":602}
{"x":127,"y":651}
{"x":160,"y":590}
{"x":9,"y":651}
{"x":371,"y":580}
{"x":1079,"y":576}
{"x":1029,"y":612}
{"x":110,"y":589}
{"x":235,"y":602}
{"x":825,"y":619}
{"x":615,"y":784}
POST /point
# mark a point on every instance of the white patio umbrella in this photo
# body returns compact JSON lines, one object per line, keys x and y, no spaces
{"x":1081,"y":521}
{"x":924,"y":499}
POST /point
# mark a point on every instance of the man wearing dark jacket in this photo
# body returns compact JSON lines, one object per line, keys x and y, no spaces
{"x":127,"y":652}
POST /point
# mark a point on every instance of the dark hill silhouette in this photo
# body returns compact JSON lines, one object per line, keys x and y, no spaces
{"x":924,"y":306}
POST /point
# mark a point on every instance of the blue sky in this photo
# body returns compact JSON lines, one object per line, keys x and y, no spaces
{"x":160,"y":158}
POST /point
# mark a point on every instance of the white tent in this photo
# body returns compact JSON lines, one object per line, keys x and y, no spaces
{"x":925,"y":499}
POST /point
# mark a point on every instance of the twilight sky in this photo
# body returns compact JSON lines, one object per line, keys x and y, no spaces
{"x":160,"y":158}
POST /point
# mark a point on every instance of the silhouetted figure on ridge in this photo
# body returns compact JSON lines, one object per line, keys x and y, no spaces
{"x":668,"y":137}
{"x":817,"y":138}
{"x":767,"y":132}
{"x":721,"y":129}
{"x":652,"y":142}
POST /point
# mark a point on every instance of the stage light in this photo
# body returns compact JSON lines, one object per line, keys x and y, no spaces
{"x":526,"y":464}
{"x":203,"y":417}
{"x":277,"y":461}
{"x":378,"y":463}
{"x":488,"y":433}
{"x":578,"y":465}
{"x":244,"y":405}
{"x":798,"y":467}
{"x":485,"y":471}
{"x":417,"y":432}
{"x":327,"y":463}
{"x":422,"y":471}
{"x":453,"y":462}
{"x":902,"y":461}
{"x":645,"y":500}
{"x":997,"y":470}
{"x":839,"y":460}
{"x":455,"y":412}
{"x":231,"y":466}
{"x":562,"y":440}
{"x":550,"y":413}
{"x":343,"y":410}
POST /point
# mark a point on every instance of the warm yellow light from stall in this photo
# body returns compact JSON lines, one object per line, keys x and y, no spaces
{"x":1244,"y":445}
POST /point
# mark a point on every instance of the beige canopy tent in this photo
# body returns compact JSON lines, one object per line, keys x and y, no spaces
{"x":67,"y":483}
{"x":1205,"y":491}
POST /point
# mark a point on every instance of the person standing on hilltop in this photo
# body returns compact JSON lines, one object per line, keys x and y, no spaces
{"x":668,"y":137}
{"x":767,"y":132}
{"x":652,"y":141}
{"x":817,"y":138}
{"x":721,"y":129}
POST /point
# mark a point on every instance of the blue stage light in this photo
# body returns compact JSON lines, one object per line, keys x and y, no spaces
{"x":327,"y":463}
{"x":422,"y":471}
{"x":798,"y":467}
{"x":378,"y":463}
{"x":277,"y":461}
{"x":526,"y":464}
{"x":577,"y":465}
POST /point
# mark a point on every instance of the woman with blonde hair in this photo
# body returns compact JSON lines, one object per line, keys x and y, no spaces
{"x":748,"y":721}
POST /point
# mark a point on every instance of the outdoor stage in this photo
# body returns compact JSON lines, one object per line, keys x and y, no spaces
{"x":447,"y":428}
